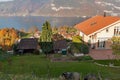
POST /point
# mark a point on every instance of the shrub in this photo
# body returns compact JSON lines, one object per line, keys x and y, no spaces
{"x":116,"y":46}
{"x":36,"y":52}
{"x":80,"y":48}
{"x":46,"y":47}
{"x":84,"y":58}
{"x":84,"y":48}
{"x":4,"y":55}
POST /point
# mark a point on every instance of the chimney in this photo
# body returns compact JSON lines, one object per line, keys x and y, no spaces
{"x":104,"y":14}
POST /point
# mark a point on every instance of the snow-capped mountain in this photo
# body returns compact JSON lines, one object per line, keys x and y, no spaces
{"x":60,"y":7}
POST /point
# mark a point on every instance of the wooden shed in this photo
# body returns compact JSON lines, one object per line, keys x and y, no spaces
{"x":28,"y":45}
{"x":59,"y":45}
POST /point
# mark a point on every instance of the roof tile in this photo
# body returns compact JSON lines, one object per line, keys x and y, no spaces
{"x":95,"y":23}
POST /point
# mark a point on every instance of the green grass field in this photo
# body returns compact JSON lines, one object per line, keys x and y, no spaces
{"x":40,"y":66}
{"x":107,"y":62}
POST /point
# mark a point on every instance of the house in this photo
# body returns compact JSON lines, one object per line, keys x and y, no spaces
{"x":28,"y":45}
{"x":98,"y":30}
{"x":37,"y":34}
{"x":59,"y":45}
{"x":68,"y":36}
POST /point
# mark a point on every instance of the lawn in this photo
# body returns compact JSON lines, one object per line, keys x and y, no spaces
{"x":40,"y":66}
{"x":107,"y":62}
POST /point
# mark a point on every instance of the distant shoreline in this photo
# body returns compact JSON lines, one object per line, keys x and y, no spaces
{"x":42,"y":16}
{"x":26,"y":22}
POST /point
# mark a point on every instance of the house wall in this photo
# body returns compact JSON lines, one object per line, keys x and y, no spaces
{"x":107,"y":35}
{"x":84,"y":36}
{"x":101,"y":35}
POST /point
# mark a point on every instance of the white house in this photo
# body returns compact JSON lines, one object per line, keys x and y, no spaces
{"x":98,"y":31}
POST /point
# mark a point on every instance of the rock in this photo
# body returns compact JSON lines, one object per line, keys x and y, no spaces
{"x":76,"y":76}
{"x":91,"y":77}
{"x":62,"y":77}
{"x":70,"y":76}
{"x":78,"y":55}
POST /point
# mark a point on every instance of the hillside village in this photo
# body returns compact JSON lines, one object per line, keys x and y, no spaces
{"x":97,"y":38}
{"x":95,"y":32}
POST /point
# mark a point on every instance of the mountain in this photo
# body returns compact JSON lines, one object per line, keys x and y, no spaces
{"x":59,"y":7}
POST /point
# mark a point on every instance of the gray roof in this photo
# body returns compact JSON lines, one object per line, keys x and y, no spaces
{"x":28,"y":43}
{"x":60,"y":44}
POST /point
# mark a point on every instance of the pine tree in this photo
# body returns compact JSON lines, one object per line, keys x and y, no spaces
{"x":46,"y":38}
{"x":46,"y":32}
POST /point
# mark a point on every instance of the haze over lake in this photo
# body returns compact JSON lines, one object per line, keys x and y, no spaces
{"x":26,"y":22}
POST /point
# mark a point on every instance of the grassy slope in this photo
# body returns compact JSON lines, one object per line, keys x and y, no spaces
{"x":38,"y":65}
{"x":106,"y":62}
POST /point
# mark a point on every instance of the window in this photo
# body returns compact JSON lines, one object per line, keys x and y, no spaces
{"x":117,"y":31}
{"x":98,"y":43}
{"x":101,"y":43}
{"x":89,"y":43}
{"x":107,"y":30}
{"x":94,"y":23}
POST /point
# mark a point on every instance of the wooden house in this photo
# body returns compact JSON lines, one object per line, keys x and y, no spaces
{"x":28,"y":45}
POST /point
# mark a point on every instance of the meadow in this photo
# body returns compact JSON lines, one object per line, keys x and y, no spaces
{"x":41,"y":67}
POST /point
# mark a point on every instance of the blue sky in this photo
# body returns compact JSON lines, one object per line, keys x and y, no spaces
{"x":5,"y":0}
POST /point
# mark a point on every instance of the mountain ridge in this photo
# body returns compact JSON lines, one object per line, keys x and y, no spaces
{"x":59,"y":8}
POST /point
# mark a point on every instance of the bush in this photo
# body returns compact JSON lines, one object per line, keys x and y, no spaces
{"x":46,"y":47}
{"x":4,"y":55}
{"x":36,"y":52}
{"x":80,"y":45}
{"x":84,"y":48}
{"x":74,"y":48}
{"x":2,"y":51}
{"x":84,"y":58}
{"x":80,"y":48}
{"x":116,"y":45}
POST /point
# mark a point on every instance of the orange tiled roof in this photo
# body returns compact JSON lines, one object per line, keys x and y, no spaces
{"x":96,"y":23}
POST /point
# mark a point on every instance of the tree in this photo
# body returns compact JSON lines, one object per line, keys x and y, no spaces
{"x":77,"y":39}
{"x":57,"y":37}
{"x":54,"y":30}
{"x":46,"y":35}
{"x":8,"y":36}
{"x":79,"y":46}
{"x":71,"y":30}
{"x":46,"y":38}
{"x":116,"y":46}
{"x":63,"y":28}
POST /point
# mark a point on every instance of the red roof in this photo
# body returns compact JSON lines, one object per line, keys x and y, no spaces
{"x":95,"y":23}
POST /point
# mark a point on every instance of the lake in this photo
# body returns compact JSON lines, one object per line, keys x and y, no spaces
{"x":19,"y":22}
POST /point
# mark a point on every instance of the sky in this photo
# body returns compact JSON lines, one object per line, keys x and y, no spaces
{"x":5,"y":0}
